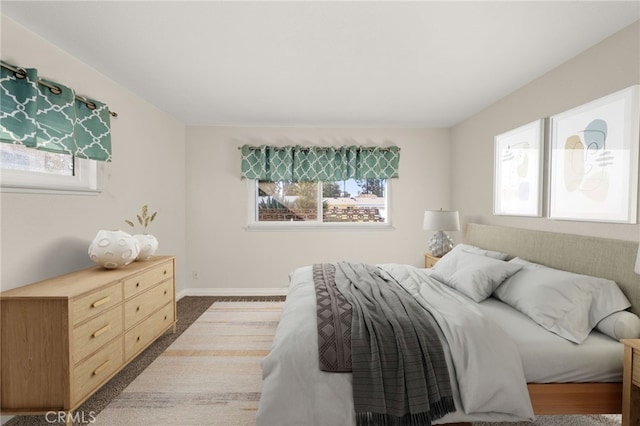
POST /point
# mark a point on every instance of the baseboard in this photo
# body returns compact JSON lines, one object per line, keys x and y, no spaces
{"x":281,"y":291}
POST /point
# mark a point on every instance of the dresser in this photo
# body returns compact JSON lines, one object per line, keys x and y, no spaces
{"x":63,"y":338}
{"x":631,"y":383}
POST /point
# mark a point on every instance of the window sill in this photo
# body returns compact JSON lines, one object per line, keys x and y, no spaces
{"x":301,"y":227}
{"x":48,"y":190}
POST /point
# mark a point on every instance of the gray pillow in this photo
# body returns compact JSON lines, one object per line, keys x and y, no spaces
{"x":474,"y":275}
{"x":620,"y":325}
{"x":563,"y":302}
{"x":477,"y":250}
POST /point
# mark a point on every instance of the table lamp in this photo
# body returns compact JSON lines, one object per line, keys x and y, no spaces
{"x":440,"y":221}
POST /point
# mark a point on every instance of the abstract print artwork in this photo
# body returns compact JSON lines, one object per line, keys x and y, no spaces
{"x":517,"y":171}
{"x":594,"y":160}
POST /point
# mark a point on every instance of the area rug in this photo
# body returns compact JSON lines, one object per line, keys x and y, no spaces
{"x":591,"y":420}
{"x":210,"y":375}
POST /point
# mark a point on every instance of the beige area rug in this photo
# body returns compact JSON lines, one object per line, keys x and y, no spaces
{"x":604,"y":420}
{"x":209,"y":376}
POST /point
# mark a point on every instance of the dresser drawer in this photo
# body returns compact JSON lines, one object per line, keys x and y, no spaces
{"x":95,"y":303}
{"x":92,"y":373}
{"x":635,"y":372}
{"x":139,"y":337}
{"x":148,"y":279}
{"x":90,"y":336}
{"x":138,"y":308}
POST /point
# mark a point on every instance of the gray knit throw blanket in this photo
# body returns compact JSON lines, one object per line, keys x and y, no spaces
{"x":400,"y":374}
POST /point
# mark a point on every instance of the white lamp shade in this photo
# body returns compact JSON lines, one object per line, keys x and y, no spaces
{"x":441,"y":220}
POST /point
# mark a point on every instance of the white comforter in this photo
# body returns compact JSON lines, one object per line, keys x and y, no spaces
{"x":487,"y":375}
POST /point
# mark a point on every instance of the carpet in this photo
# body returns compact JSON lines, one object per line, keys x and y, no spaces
{"x":210,"y":375}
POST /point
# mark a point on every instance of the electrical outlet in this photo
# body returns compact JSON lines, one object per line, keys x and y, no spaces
{"x":194,"y":275}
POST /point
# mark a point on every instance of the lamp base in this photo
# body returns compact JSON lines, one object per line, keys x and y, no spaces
{"x":440,"y":244}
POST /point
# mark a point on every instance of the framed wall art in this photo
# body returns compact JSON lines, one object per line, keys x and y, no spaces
{"x":593,"y":172}
{"x":517,"y":180}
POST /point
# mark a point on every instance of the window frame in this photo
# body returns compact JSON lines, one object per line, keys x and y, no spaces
{"x":254,"y":224}
{"x":83,"y":182}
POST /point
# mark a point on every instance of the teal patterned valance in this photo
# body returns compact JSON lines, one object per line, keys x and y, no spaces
{"x":44,"y":115}
{"x":324,"y":164}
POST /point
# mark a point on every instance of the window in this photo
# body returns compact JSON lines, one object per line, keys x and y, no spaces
{"x":294,"y":186}
{"x":349,"y":202}
{"x":30,"y":170}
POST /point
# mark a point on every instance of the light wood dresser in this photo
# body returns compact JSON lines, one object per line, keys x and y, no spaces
{"x":64,"y":337}
{"x":631,"y":383}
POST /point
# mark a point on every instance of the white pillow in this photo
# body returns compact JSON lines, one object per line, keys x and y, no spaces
{"x":564,"y":303}
{"x":477,"y":250}
{"x":620,"y":325}
{"x":476,"y":276}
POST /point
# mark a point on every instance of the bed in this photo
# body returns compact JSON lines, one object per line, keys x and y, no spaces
{"x":580,"y":378}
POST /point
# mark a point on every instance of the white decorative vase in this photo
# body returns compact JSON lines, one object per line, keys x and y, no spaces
{"x":113,"y":249}
{"x":148,"y":245}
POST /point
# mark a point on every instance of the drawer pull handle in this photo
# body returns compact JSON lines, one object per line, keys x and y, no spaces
{"x":137,"y":284}
{"x":165,"y":292}
{"x":102,"y":330}
{"x":165,"y":317}
{"x":99,"y":369}
{"x":138,"y":309}
{"x":100,"y":302}
{"x":138,"y":339}
{"x":165,"y":272}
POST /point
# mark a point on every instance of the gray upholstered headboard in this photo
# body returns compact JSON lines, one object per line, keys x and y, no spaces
{"x":600,"y":257}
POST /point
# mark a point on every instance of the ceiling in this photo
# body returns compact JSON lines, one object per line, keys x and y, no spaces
{"x":323,"y":63}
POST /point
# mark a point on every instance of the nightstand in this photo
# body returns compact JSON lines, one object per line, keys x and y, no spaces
{"x":430,"y":260}
{"x":631,"y":383}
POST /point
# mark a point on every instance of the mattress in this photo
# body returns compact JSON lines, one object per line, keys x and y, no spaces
{"x":548,"y":358}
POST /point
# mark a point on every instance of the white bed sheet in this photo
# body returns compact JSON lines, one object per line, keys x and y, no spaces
{"x":295,"y":392}
{"x":548,"y":358}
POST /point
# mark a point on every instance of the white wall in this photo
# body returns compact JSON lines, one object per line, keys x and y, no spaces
{"x":605,"y":68}
{"x":226,"y":256}
{"x":191,"y":176}
{"x":47,"y":235}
